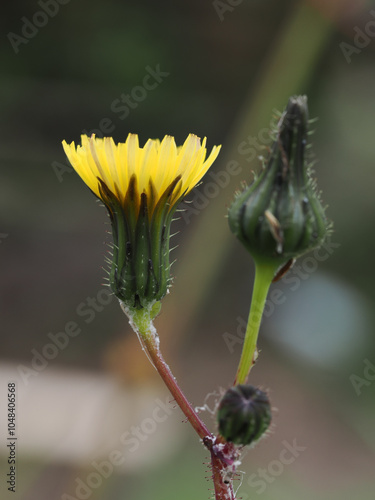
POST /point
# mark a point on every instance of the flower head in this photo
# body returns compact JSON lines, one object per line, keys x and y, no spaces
{"x":141,"y":188}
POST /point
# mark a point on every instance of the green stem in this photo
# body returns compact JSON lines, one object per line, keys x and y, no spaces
{"x":263,"y":278}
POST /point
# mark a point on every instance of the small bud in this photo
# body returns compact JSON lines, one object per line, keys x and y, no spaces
{"x":280,"y":217}
{"x":244,"y":414}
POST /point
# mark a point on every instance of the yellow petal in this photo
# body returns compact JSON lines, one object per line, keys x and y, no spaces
{"x":157,"y":164}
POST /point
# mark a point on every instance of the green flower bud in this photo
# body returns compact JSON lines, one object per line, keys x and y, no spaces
{"x":280,"y":217}
{"x":244,"y":414}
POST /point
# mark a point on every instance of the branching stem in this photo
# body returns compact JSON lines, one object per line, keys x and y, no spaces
{"x":141,"y":322}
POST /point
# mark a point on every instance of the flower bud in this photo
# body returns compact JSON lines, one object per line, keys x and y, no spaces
{"x":280,"y":217}
{"x":244,"y":414}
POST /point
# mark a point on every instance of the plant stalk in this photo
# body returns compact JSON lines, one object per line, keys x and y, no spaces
{"x":263,"y":279}
{"x":141,"y":323}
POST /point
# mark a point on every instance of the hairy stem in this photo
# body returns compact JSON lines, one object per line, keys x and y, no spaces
{"x":164,"y":371}
{"x":141,"y":322}
{"x":223,"y":487}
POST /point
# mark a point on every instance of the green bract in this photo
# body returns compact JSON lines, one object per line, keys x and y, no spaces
{"x":140,"y":268}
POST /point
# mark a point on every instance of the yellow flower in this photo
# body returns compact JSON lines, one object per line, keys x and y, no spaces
{"x":141,"y":187}
{"x":154,"y":167}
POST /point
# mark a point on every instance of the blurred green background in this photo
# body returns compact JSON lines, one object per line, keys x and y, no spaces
{"x":225,"y":68}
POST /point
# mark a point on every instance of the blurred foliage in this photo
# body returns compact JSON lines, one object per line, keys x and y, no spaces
{"x":64,"y":81}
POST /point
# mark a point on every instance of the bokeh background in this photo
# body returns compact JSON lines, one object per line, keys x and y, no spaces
{"x":225,"y":69}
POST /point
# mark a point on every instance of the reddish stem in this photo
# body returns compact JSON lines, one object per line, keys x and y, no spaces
{"x":223,"y":490}
{"x":170,"y":381}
